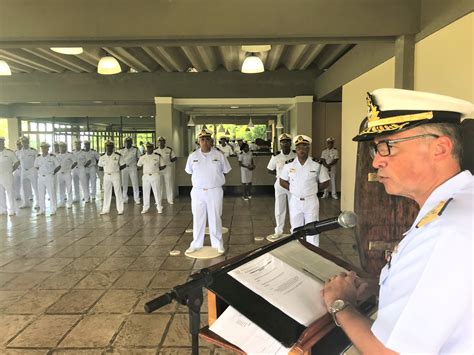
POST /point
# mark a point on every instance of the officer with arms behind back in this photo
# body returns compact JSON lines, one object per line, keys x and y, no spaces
{"x":47,"y":165}
{"x":29,"y":175}
{"x":130,"y":156}
{"x":329,"y":158}
{"x":8,"y":164}
{"x":67,"y":162}
{"x":168,"y":156}
{"x":91,"y":170}
{"x":426,"y":288}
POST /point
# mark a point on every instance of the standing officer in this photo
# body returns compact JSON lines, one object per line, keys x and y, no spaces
{"x":225,"y":148}
{"x":303,"y":177}
{"x":8,"y":164}
{"x":79,"y":173}
{"x":168,"y":156}
{"x":47,"y":165}
{"x":91,"y":170}
{"x":426,"y":288}
{"x":29,"y":175}
{"x":246,"y":167}
{"x":130,"y":156}
{"x":111,"y":162}
{"x":282,"y":195}
{"x":17,"y":173}
{"x":64,"y":175}
{"x":329,"y":158}
{"x":208,"y":168}
{"x":152,"y":164}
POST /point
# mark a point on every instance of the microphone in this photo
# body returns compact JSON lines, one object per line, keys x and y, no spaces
{"x":346,"y":219}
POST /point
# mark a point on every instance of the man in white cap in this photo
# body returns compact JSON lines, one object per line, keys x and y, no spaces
{"x":79,"y":172}
{"x":304,"y":177}
{"x":47,"y":165}
{"x":152,"y":163}
{"x":17,"y":173}
{"x":225,"y":148}
{"x":282,"y":196}
{"x":91,"y":170}
{"x":8,"y":164}
{"x":64,"y":175}
{"x":168,"y":156}
{"x":208,"y":168}
{"x":329,"y":158}
{"x":29,"y":175}
{"x":130,"y":156}
{"x":111,"y":162}
{"x":426,"y":288}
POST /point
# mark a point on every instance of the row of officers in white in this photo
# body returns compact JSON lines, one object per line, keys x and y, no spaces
{"x":25,"y":172}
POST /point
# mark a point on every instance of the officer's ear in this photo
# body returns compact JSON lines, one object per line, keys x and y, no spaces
{"x":442,"y":147}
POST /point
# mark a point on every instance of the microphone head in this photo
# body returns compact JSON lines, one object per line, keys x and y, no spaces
{"x":347,"y":219}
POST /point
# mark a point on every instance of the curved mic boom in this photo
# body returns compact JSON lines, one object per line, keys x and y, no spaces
{"x":346,"y":219}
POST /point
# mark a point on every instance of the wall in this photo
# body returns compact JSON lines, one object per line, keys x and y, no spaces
{"x":443,"y":64}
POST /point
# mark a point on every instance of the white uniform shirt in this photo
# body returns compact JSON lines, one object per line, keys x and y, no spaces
{"x":27,"y":158}
{"x":93,"y":156}
{"x":253,"y":146}
{"x":80,"y":157}
{"x":130,"y":156}
{"x":166,"y":154}
{"x":151,"y":163}
{"x":330,"y":155}
{"x":111,"y":163}
{"x":207,"y":169}
{"x":7,"y":160}
{"x":66,"y":160}
{"x":227,"y":150}
{"x":46,"y":164}
{"x":246,"y":158}
{"x":426,"y":296}
{"x":277,"y":162}
{"x":304,"y":179}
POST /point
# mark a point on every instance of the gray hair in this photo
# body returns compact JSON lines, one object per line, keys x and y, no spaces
{"x":450,"y":130}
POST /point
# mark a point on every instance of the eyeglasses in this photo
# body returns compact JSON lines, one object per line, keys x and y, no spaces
{"x":382,"y":148}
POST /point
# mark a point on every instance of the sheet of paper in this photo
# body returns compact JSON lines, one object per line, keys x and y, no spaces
{"x":294,"y":292}
{"x":240,"y":331}
{"x":301,"y":258}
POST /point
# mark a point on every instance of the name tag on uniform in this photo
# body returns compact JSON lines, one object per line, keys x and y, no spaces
{"x":215,"y":159}
{"x":195,"y":161}
{"x":312,"y":171}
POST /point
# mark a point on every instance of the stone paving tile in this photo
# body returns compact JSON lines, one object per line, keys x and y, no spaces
{"x":27,"y":280}
{"x":10,"y":325}
{"x":21,"y":265}
{"x":5,"y":277}
{"x":53,"y":264}
{"x":75,"y":301}
{"x":177,"y":263}
{"x":178,"y":333}
{"x":117,"y":301}
{"x":63,"y":280}
{"x":184,"y":351}
{"x":9,"y":297}
{"x":134,"y":280}
{"x":98,"y":280}
{"x":142,"y":330}
{"x":119,"y":263}
{"x":85,"y":264}
{"x":169,"y":279}
{"x":144,"y":263}
{"x":34,"y":302}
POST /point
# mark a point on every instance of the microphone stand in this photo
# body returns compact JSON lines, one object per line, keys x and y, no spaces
{"x":190,"y":293}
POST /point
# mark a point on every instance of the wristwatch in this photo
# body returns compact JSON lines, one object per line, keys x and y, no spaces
{"x":337,"y":306}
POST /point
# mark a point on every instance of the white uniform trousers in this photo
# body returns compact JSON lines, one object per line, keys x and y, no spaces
{"x":332,"y":175}
{"x":150,"y":182}
{"x":79,"y":178}
{"x":167,"y":176}
{"x":207,"y":203}
{"x":17,"y":184}
{"x":112,"y":180}
{"x":91,"y":180}
{"x":282,"y":197}
{"x":46,"y":183}
{"x":133,"y":174}
{"x":65,"y":188}
{"x":29,"y":181}
{"x":6,"y":188}
{"x":302,"y":211}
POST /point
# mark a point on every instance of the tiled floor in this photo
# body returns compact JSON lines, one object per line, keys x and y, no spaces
{"x":76,"y":283}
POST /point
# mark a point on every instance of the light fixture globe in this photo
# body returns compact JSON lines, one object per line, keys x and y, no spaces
{"x":252,"y":65}
{"x":4,"y":68}
{"x":108,"y":66}
{"x":250,"y":125}
{"x":191,"y":122}
{"x":68,"y":50}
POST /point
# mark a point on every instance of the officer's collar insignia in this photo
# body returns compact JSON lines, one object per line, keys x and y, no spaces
{"x":434,"y":213}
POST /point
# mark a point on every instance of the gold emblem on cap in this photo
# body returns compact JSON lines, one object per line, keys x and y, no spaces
{"x":373,"y":114}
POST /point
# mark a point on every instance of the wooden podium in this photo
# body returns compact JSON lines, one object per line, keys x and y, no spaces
{"x":321,"y":337}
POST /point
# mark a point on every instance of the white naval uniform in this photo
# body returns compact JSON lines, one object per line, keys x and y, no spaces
{"x":330,"y":155}
{"x":207,"y":171}
{"x":17,"y":178}
{"x":282,"y":195}
{"x":91,"y":172}
{"x":151,"y":167}
{"x":130,"y":158}
{"x":79,"y":175}
{"x":29,"y":176}
{"x":426,"y":295}
{"x":245,"y":174}
{"x":7,"y":160}
{"x":64,"y":178}
{"x":304,"y":203}
{"x":227,"y":150}
{"x":46,"y":165}
{"x":167,"y":173}
{"x":111,"y":164}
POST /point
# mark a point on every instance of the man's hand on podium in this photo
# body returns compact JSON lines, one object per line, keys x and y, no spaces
{"x":345,"y":286}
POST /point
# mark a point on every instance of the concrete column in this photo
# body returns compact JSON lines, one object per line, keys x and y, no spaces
{"x":405,"y":62}
{"x":164,"y":119}
{"x":13,"y":132}
{"x":302,"y":116}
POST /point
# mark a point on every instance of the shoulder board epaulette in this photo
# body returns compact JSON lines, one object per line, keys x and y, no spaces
{"x":169,"y":147}
{"x":294,"y":151}
{"x":157,"y":154}
{"x":277,"y":153}
{"x":316,"y":160}
{"x":118,"y":153}
{"x":32,"y":148}
{"x":289,"y":161}
{"x":434,"y":213}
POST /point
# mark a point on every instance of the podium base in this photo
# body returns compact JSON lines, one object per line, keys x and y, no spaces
{"x":224,"y":230}
{"x":205,"y":252}
{"x":271,"y":237}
